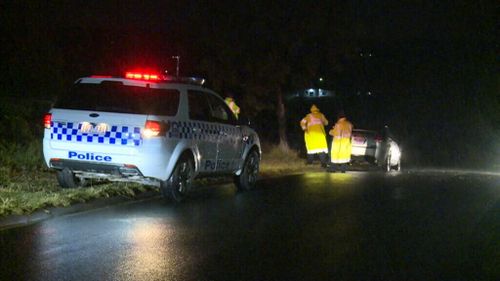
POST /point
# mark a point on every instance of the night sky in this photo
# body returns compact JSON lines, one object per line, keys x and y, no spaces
{"x":433,"y":65}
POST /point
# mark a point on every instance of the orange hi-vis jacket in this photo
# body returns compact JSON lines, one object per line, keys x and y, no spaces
{"x":314,"y":131}
{"x":341,"y":143}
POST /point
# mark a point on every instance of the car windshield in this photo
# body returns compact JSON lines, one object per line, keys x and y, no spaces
{"x":113,"y":96}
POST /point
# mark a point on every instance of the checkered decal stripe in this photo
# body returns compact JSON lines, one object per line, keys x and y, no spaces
{"x":201,"y":131}
{"x":119,"y":135}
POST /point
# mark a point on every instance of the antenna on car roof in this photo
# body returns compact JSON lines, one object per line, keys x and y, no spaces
{"x":178,"y":58}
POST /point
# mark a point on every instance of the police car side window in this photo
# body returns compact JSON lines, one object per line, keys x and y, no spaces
{"x":220,"y":112}
{"x":199,"y":108}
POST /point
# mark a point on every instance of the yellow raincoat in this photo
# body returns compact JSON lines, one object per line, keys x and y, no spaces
{"x":232,"y":105}
{"x":314,"y":131}
{"x":341,"y":143}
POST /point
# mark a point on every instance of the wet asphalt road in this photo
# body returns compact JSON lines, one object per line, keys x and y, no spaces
{"x":420,"y":225}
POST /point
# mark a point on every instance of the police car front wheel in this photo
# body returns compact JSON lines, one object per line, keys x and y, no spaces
{"x":248,"y":177}
{"x":67,"y":179}
{"x":181,"y":180}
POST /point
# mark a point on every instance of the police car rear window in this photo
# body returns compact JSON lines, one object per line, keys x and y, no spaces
{"x":115,"y":97}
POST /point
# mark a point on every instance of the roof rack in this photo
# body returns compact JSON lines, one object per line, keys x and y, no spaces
{"x":187,"y":80}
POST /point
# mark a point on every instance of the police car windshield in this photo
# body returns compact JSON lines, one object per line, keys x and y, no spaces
{"x":113,"y":96}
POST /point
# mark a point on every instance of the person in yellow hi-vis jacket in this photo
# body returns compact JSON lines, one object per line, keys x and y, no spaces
{"x":313,"y":126}
{"x":341,"y":143}
{"x":232,"y":105}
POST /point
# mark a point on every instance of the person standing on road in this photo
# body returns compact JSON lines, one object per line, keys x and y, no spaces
{"x":232,"y":105}
{"x":313,"y":126}
{"x":341,"y":143}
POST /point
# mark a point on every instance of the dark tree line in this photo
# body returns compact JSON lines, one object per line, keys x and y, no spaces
{"x":432,"y":67}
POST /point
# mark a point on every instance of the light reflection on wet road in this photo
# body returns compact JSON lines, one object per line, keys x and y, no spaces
{"x":320,"y":226}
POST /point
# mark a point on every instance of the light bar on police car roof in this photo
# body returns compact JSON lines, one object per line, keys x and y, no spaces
{"x":142,"y":76}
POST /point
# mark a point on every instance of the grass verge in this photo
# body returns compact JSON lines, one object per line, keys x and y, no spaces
{"x":277,"y":161}
{"x":33,"y":192}
{"x":27,"y":186}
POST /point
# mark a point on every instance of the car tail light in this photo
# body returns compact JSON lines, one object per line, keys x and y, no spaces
{"x":142,"y":76}
{"x":154,"y":128}
{"x":47,"y":119}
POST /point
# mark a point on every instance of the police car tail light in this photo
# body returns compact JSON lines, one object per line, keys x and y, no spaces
{"x":154,"y":129}
{"x":47,"y":119}
{"x":143,"y":76}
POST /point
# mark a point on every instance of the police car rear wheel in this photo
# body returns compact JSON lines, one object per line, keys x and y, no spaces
{"x":248,"y":177}
{"x":181,"y":180}
{"x":67,"y":179}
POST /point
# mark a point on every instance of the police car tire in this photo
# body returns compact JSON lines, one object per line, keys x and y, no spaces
{"x":181,"y":178}
{"x":67,"y":179}
{"x":248,"y":177}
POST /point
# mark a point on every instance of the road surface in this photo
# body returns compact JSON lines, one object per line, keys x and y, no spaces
{"x":416,"y":225}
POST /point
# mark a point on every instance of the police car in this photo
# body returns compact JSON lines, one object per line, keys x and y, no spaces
{"x":150,"y":129}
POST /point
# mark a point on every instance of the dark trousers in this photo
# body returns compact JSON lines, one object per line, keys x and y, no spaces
{"x":322,"y":158}
{"x":338,"y":167}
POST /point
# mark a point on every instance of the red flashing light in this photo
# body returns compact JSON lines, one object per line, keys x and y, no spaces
{"x":47,"y":119}
{"x":378,"y":138}
{"x":142,"y":76}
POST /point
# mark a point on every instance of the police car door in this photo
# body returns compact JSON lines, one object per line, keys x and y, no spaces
{"x":229,"y":139}
{"x":204,"y":132}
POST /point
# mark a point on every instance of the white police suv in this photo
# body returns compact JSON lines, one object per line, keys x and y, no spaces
{"x":150,"y":129}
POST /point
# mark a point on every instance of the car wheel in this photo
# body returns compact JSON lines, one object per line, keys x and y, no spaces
{"x":67,"y":179}
{"x":388,"y":164}
{"x":248,"y":177}
{"x":181,"y":180}
{"x":398,"y":166}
